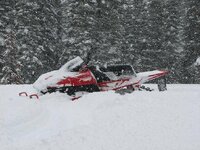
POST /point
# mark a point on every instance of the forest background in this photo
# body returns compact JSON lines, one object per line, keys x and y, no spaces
{"x":37,"y":36}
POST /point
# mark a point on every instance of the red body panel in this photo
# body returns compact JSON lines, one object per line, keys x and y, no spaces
{"x":83,"y":78}
{"x":115,"y":83}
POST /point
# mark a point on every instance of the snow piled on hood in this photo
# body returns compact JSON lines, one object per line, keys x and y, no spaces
{"x":52,"y":78}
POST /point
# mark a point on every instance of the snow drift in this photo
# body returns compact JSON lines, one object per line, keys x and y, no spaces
{"x":101,"y":121}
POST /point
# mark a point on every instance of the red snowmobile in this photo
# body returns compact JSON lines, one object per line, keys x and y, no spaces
{"x":74,"y":78}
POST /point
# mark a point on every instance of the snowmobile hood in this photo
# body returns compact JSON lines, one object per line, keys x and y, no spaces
{"x":51,"y":79}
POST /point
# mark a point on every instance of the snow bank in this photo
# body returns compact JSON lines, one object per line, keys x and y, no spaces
{"x":101,"y":121}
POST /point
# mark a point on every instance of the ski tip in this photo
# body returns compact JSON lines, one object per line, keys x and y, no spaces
{"x":23,"y":94}
{"x":33,"y":95}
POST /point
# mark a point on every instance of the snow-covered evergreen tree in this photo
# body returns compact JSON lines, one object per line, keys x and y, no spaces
{"x":39,"y":36}
{"x":4,"y":19}
{"x":172,"y":45}
{"x":152,"y":56}
{"x":93,"y":27}
{"x":12,"y":68}
{"x":136,"y":37}
{"x":147,"y":34}
{"x":191,"y":40}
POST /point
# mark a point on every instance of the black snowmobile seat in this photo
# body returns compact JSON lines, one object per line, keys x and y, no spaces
{"x":98,"y":74}
{"x":119,"y":69}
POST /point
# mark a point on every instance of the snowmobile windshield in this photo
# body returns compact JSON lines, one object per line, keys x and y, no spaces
{"x":74,"y":63}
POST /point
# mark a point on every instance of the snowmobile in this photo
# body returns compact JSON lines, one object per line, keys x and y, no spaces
{"x":76,"y":78}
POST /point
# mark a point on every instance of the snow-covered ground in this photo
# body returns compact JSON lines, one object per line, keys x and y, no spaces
{"x":142,"y":120}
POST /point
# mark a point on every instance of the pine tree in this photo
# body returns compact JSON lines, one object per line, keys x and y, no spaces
{"x":4,"y":19}
{"x":192,"y":40}
{"x":172,"y":39}
{"x":78,"y":25}
{"x":152,"y":55}
{"x":109,"y":32}
{"x":93,"y":27}
{"x":136,"y":33}
{"x":11,"y":68}
{"x":39,"y":36}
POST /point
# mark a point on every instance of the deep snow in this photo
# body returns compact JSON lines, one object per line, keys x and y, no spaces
{"x":142,"y":120}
